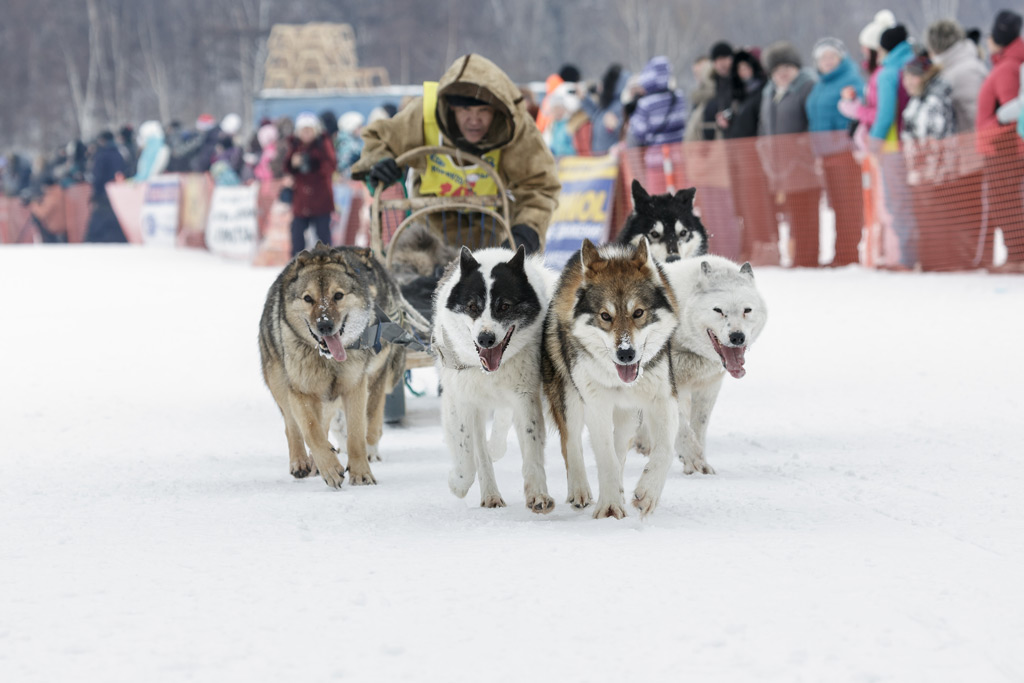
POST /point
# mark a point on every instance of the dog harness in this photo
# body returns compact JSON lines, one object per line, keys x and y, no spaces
{"x":387,"y":331}
{"x":442,"y":176}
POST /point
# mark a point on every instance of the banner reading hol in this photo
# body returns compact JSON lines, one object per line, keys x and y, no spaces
{"x":584,"y":207}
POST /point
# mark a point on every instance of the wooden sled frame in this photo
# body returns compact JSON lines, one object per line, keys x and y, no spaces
{"x":494,"y":206}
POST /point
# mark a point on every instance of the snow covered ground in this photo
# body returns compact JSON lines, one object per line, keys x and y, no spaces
{"x":865,"y":524}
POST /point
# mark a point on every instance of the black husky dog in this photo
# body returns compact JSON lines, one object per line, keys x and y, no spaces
{"x":668,"y":223}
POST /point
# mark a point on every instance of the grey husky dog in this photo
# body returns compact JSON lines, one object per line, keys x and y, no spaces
{"x":317,"y":353}
{"x":721,"y":315}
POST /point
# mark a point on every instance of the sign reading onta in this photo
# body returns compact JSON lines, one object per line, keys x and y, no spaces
{"x":231,"y":229}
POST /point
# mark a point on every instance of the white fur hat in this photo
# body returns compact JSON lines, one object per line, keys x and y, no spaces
{"x":307,"y":119}
{"x":150,"y":130}
{"x":350,"y":121}
{"x":231,"y":124}
{"x":871,"y":35}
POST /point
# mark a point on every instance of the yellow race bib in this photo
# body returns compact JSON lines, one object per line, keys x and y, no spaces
{"x":442,"y":176}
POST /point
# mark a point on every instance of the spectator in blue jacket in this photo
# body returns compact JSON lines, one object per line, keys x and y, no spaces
{"x":605,"y":112}
{"x":895,"y":52}
{"x":832,"y":145}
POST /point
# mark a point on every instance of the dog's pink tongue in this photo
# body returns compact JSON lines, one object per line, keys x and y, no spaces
{"x":491,"y":358}
{"x":733,"y":357}
{"x":335,"y":347}
{"x":628,"y":373}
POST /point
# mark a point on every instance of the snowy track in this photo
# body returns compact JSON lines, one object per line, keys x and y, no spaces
{"x":865,"y":524}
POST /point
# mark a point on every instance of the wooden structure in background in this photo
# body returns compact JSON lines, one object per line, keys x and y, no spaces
{"x":317,"y":57}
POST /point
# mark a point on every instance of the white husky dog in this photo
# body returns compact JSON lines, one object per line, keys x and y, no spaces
{"x":721,"y":315}
{"x":489,"y":310}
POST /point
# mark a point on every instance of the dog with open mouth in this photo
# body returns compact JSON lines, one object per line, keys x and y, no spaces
{"x":606,"y":356}
{"x":721,"y":315}
{"x":316,"y":357}
{"x":489,"y":310}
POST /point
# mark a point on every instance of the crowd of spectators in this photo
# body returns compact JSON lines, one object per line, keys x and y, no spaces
{"x":905,"y":93}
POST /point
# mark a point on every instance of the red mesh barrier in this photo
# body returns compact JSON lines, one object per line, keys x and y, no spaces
{"x":809,"y":199}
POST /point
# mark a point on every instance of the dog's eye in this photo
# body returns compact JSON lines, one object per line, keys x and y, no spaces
{"x":504,"y":307}
{"x":747,"y":310}
{"x":338,"y":296}
{"x":308,"y":299}
{"x":718,"y":311}
{"x":655,"y":234}
{"x":605,"y":317}
{"x":638,"y":313}
{"x":473,"y":308}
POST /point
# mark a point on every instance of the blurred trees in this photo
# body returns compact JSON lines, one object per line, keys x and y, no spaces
{"x":72,"y":68}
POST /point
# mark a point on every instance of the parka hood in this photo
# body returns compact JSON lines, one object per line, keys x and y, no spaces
{"x":478,"y":77}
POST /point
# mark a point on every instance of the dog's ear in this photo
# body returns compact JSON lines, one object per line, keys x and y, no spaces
{"x":320,"y":246}
{"x":467,"y":264}
{"x":642,"y":256}
{"x":685,"y":197}
{"x":640,"y":195}
{"x":589,"y":257}
{"x":518,"y":260}
{"x":705,"y":274}
{"x":747,"y":270}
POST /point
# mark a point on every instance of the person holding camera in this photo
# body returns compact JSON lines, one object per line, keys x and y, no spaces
{"x":309,"y":167}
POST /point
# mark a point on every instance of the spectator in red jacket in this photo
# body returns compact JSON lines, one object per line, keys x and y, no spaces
{"x":310,"y":164}
{"x":1004,"y":166}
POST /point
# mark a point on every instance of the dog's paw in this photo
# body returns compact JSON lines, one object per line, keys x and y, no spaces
{"x":640,"y":445}
{"x":580,"y":498}
{"x":334,"y":475}
{"x":540,"y":503}
{"x":644,"y":501}
{"x":698,"y":464}
{"x":302,"y":468}
{"x":615,"y":510}
{"x":361,"y":478}
{"x":492,"y":501}
{"x":373,"y":452}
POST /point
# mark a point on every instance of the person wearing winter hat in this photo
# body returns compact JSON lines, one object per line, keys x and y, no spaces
{"x":499,"y":130}
{"x":310,"y":167}
{"x":831,"y":144}
{"x":155,"y":153}
{"x":660,"y":114}
{"x":720,"y":89}
{"x":785,"y":160}
{"x":758,"y":238}
{"x":348,"y":145}
{"x":999,"y":143}
{"x":895,"y":51}
{"x":267,"y":135}
{"x":950,"y":48}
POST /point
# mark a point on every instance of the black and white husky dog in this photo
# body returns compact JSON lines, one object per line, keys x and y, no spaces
{"x":668,"y":223}
{"x":489,"y":310}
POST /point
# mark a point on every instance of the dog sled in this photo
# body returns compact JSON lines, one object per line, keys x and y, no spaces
{"x":473,"y":220}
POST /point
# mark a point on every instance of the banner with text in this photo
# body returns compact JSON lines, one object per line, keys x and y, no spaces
{"x":584,"y":207}
{"x":160,"y":211}
{"x":231,"y":228}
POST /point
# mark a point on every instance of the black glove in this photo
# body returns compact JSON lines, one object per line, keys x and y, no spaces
{"x":384,"y":173}
{"x":525,"y":236}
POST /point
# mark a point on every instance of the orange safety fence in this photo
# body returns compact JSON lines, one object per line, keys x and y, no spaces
{"x":807,"y":200}
{"x":62,"y":212}
{"x":811,"y":199}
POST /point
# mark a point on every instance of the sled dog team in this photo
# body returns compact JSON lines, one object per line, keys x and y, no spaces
{"x":632,"y":340}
